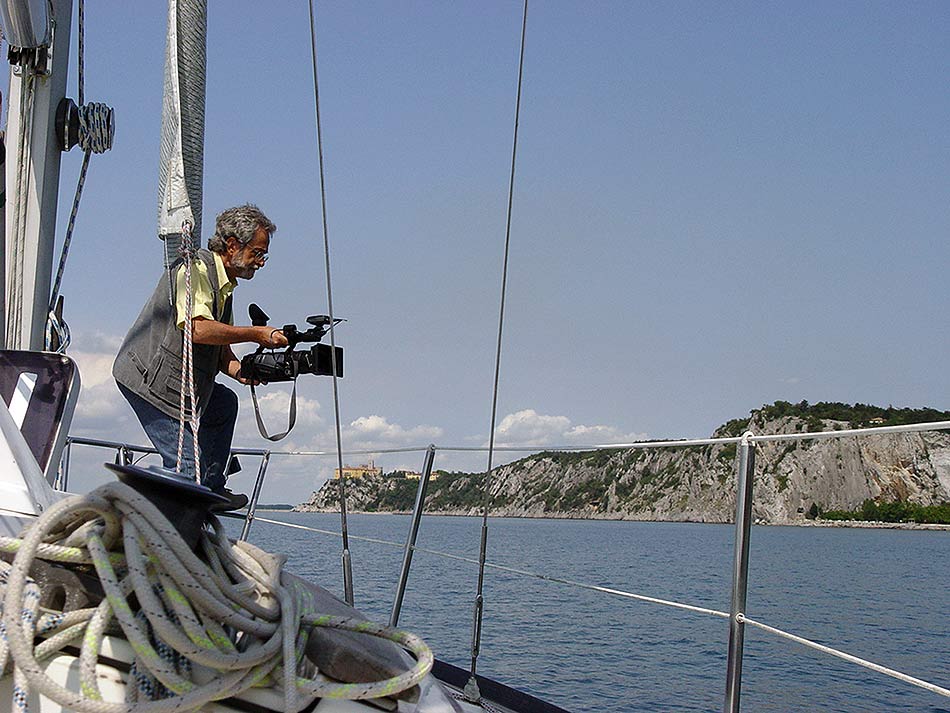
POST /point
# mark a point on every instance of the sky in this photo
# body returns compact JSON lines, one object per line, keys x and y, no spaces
{"x":716,"y":205}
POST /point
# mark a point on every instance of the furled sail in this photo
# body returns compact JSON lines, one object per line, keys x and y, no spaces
{"x":183,"y":120}
{"x":26,"y":25}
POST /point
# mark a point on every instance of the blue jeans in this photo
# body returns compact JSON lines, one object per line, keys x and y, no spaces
{"x":215,"y":432}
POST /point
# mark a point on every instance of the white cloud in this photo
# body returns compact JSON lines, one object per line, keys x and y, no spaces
{"x":95,"y":368}
{"x":97,"y":342}
{"x":367,"y":432}
{"x":294,"y":478}
{"x":100,"y":406}
{"x":101,"y":410}
{"x":530,"y":428}
{"x":275,"y":409}
{"x":276,"y":404}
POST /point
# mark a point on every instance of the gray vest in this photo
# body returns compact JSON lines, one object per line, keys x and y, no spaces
{"x":149,"y":361}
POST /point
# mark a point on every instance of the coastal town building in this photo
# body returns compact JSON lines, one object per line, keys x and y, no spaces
{"x":412,"y":475}
{"x":357,"y":472}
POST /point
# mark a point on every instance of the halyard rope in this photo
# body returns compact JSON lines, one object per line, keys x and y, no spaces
{"x":184,"y":603}
{"x":189,"y":256}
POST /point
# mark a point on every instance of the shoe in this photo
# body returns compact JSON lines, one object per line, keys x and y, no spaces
{"x":236,"y":501}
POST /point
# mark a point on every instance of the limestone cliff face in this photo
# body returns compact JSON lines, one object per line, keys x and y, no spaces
{"x":688,"y":484}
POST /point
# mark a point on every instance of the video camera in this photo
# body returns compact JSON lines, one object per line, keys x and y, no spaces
{"x":267,"y":366}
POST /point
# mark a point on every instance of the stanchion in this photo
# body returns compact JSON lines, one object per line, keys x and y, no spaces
{"x":740,"y":572}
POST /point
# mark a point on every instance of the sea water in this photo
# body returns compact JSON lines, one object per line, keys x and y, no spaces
{"x":881,"y":595}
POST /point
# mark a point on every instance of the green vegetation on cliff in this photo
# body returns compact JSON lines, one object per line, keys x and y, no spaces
{"x":900,"y":511}
{"x":858,"y":414}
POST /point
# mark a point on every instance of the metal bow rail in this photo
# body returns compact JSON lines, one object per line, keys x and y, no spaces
{"x":745,"y":467}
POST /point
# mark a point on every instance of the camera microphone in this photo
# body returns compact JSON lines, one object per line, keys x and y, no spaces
{"x":258,"y":317}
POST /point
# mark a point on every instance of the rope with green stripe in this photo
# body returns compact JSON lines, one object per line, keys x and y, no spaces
{"x":226,"y":611}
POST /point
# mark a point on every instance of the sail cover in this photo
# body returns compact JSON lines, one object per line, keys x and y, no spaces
{"x":25,"y":24}
{"x":183,"y":120}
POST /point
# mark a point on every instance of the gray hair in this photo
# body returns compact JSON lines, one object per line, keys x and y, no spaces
{"x":240,"y":223}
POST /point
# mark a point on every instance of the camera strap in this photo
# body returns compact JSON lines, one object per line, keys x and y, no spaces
{"x":291,"y":418}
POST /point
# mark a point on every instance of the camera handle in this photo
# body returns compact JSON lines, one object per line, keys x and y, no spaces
{"x":291,"y":417}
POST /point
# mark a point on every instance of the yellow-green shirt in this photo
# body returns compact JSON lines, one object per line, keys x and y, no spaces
{"x":202,"y":301}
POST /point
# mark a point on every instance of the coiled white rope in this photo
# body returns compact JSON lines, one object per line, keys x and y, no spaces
{"x":227,"y":612}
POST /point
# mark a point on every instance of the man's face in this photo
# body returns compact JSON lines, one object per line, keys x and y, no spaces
{"x":244,"y":261}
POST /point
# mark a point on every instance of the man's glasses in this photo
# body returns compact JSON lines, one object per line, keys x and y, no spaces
{"x":259,"y":255}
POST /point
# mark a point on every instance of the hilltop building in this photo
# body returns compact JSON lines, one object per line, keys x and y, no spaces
{"x":357,"y":472}
{"x":412,"y":475}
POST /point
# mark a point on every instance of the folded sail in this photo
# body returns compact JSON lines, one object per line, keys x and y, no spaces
{"x":183,"y":119}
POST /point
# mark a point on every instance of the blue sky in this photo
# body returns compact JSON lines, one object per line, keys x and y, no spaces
{"x":717,"y":205}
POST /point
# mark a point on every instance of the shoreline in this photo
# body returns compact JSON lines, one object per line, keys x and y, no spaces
{"x":856,"y":524}
{"x":874,"y":525}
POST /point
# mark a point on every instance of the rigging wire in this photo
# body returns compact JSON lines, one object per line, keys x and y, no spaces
{"x":347,"y":566}
{"x":96,"y":133}
{"x":80,"y":64}
{"x":471,"y":688}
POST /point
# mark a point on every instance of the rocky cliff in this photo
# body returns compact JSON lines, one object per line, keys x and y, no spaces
{"x":694,"y":483}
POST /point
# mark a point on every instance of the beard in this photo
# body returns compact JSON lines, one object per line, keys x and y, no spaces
{"x":243,"y":268}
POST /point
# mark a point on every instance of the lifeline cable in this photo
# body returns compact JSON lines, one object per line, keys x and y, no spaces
{"x":347,"y":566}
{"x":471,"y":688}
{"x":850,"y":658}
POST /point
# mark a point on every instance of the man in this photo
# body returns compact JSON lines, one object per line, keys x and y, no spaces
{"x":148,"y":366}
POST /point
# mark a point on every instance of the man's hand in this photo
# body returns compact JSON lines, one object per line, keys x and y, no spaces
{"x":269,"y":337}
{"x":233,"y":369}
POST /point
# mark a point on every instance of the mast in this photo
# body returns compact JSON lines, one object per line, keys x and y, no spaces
{"x":37,"y":86}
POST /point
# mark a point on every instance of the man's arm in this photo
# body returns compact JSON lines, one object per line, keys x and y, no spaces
{"x":209,"y":331}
